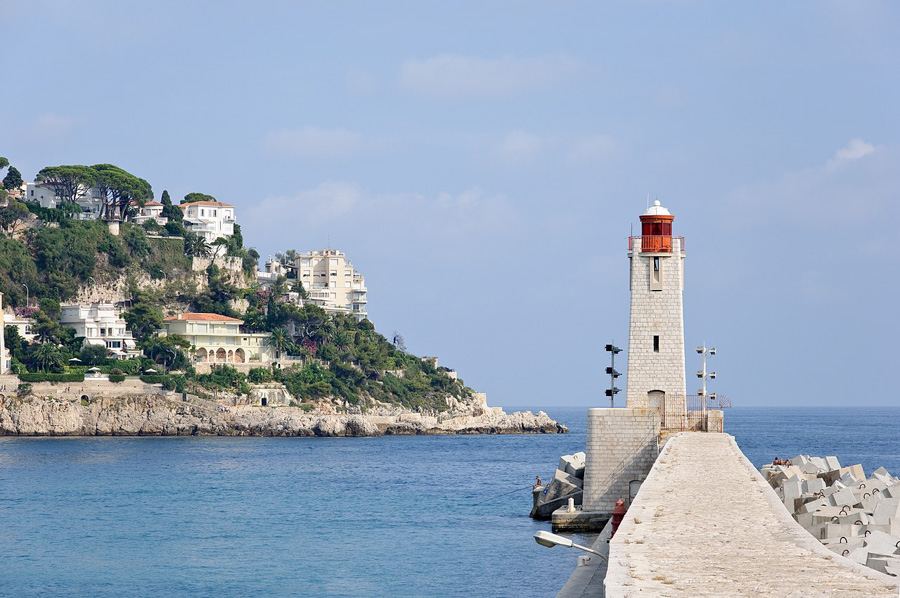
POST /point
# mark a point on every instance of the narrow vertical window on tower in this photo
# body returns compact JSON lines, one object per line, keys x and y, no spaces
{"x":656,"y":275}
{"x":656,"y":343}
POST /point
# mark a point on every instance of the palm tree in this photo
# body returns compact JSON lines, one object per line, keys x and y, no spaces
{"x":279,"y":340}
{"x":196,"y":245}
{"x":47,"y":357}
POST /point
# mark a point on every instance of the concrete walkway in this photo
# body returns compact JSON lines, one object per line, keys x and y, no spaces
{"x":705,"y":523}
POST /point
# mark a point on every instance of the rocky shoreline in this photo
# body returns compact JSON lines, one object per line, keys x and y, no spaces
{"x":168,"y":414}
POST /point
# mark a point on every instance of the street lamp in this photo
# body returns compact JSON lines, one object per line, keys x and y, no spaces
{"x":27,"y":295}
{"x":549,"y":540}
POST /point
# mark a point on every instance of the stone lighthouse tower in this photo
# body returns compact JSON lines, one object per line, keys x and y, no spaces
{"x":656,"y":332}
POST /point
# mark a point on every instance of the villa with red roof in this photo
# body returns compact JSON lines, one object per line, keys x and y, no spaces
{"x":217,"y":339}
{"x":209,"y":219}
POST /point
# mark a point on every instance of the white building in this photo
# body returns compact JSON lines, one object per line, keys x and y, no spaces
{"x":22,"y":323}
{"x":216,"y":338}
{"x":152,"y":210}
{"x":210,"y":219}
{"x":91,"y":202}
{"x":332,"y":283}
{"x":100,"y":324}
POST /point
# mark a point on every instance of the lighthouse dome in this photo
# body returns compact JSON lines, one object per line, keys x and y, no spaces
{"x":656,"y":210}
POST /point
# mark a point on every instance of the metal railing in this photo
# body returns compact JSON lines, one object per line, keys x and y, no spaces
{"x":688,"y":414}
{"x":656,"y":243}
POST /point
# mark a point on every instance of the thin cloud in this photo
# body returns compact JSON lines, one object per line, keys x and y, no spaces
{"x":448,"y":219}
{"x":518,"y":147}
{"x":856,"y":149}
{"x":453,"y":76}
{"x":312,"y":142}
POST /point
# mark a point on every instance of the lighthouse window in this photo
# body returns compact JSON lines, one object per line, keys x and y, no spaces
{"x":656,"y":343}
{"x":655,"y":277}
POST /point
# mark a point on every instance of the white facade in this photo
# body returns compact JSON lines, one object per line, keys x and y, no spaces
{"x":23,"y":325}
{"x":656,"y":375}
{"x":5,"y":359}
{"x":100,"y":324}
{"x":332,"y":283}
{"x":209,"y":219}
{"x":90,"y":203}
{"x":152,"y":210}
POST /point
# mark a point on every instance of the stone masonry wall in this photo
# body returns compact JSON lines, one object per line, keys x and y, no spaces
{"x":658,"y":313}
{"x":622,"y":445}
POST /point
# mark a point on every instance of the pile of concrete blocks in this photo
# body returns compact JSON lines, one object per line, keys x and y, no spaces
{"x":567,"y":481}
{"x":855,"y":516}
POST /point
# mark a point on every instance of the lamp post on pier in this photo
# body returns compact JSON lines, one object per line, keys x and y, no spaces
{"x":703,"y":375}
{"x":613,"y":374}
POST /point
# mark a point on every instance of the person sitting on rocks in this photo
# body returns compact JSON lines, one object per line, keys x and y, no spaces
{"x":777,"y":461}
{"x":788,"y":462}
{"x":538,"y":482}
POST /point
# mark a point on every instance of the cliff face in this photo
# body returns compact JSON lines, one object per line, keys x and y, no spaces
{"x":168,"y":415}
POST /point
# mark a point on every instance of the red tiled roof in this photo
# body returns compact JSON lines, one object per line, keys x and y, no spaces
{"x":205,"y":203}
{"x":194,"y":317}
{"x":152,"y":203}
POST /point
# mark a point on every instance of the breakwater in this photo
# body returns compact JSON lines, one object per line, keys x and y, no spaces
{"x":851,"y":514}
{"x":168,"y":414}
{"x":706,"y":523}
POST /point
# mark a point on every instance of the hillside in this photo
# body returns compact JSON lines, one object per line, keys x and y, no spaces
{"x":47,"y":257}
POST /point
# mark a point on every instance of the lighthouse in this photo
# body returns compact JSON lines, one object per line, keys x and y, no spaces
{"x":655,"y":375}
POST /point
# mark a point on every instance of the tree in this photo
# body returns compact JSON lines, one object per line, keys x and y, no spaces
{"x":93,"y":355}
{"x":173,"y":213}
{"x":12,"y":215}
{"x":13,"y":179}
{"x":192,"y":197}
{"x":298,"y":287}
{"x":196,"y":246}
{"x":143,"y":319}
{"x":399,"y":342}
{"x":168,"y":350}
{"x":46,"y":357}
{"x":120,"y":188}
{"x":50,"y":307}
{"x":69,"y":183}
{"x":3,"y":162}
{"x":280,"y":341}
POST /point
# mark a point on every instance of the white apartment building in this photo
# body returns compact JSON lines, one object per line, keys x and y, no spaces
{"x":90,"y":202}
{"x":152,"y":210}
{"x":100,"y":324}
{"x":216,"y":338}
{"x":332,"y":283}
{"x":210,"y":219}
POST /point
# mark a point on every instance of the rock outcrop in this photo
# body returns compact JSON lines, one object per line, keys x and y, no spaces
{"x":168,"y":415}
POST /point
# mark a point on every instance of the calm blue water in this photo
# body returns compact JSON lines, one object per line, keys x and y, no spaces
{"x":393,"y":516}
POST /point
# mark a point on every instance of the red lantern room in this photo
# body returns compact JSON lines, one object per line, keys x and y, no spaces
{"x":656,"y":230}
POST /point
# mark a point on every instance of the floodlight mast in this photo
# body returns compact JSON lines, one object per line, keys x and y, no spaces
{"x":613,"y":374}
{"x":703,"y":375}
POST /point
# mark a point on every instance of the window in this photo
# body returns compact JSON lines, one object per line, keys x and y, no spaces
{"x":304,"y":261}
{"x":332,"y":284}
{"x":656,"y":275}
{"x":334,"y":272}
{"x":347,"y":284}
{"x":656,"y":264}
{"x":656,"y":343}
{"x":333,"y":261}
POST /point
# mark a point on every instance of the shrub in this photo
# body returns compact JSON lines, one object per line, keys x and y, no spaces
{"x":259,"y":375}
{"x":116,"y":378}
{"x":47,"y":377}
{"x":155,"y":379}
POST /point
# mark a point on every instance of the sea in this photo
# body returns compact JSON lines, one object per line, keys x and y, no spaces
{"x":392,"y":516}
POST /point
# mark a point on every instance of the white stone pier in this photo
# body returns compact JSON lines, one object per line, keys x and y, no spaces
{"x":705,"y":523}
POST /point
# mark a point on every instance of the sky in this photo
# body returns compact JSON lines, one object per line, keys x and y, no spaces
{"x":483,"y":164}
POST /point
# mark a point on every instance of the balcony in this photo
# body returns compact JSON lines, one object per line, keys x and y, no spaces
{"x":656,"y":243}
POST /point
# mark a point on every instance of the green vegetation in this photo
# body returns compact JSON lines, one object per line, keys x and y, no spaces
{"x":47,"y":257}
